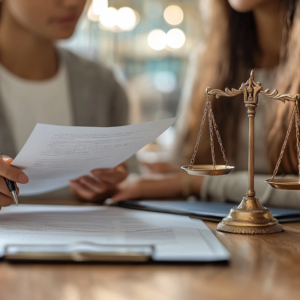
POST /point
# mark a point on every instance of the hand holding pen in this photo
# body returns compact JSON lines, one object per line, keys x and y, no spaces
{"x":8,"y":176}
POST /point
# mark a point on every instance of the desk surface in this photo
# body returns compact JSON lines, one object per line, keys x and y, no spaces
{"x":262,"y":267}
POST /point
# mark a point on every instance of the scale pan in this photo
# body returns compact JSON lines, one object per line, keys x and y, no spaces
{"x":285,"y":183}
{"x":207,"y":170}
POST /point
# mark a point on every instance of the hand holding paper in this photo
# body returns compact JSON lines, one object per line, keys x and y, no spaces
{"x":12,"y":173}
{"x":53,"y":155}
{"x":102,"y":186}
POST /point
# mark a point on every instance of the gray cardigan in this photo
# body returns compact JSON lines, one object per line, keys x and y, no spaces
{"x":97,"y":98}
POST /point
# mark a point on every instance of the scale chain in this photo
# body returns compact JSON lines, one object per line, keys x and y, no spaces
{"x":297,"y":136}
{"x":211,"y":134}
{"x":199,"y":135}
{"x":219,"y":138}
{"x":284,"y":144}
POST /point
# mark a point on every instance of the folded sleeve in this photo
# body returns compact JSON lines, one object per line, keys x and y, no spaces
{"x":233,"y":188}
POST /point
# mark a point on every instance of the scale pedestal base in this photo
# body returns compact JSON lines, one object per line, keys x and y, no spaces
{"x":250,"y":217}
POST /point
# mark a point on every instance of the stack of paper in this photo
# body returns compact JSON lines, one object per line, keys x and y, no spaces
{"x":175,"y":238}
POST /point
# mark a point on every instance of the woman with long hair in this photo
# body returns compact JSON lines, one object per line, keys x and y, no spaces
{"x":240,"y":35}
{"x":41,"y":83}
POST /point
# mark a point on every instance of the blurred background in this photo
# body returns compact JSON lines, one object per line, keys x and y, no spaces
{"x":147,"y":43}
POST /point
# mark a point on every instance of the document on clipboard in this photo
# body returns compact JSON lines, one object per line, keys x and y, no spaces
{"x":53,"y":154}
{"x":44,"y":232}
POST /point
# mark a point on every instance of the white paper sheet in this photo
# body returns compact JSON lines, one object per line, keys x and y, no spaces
{"x":176,"y":238}
{"x":54,"y":154}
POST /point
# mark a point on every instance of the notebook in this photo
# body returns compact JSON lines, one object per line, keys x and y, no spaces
{"x":211,"y":211}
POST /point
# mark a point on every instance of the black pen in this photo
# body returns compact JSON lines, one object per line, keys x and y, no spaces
{"x":12,"y":188}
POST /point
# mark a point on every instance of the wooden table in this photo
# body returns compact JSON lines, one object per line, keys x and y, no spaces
{"x":261,"y":267}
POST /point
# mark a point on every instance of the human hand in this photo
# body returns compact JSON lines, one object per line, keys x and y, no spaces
{"x":11,"y":173}
{"x":160,"y":167}
{"x":102,"y":186}
{"x":171,"y":186}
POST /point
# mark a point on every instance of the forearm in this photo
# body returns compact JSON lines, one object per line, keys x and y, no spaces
{"x":224,"y":188}
{"x":177,"y":185}
{"x":190,"y":185}
{"x":233,"y":188}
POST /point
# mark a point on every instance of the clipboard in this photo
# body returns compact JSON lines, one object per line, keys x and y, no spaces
{"x":79,"y":252}
{"x":32,"y":233}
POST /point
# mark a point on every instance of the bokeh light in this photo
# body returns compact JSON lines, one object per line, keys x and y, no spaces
{"x":98,"y":6}
{"x":109,"y":17}
{"x":175,"y":38}
{"x":91,"y":16}
{"x":165,"y":81}
{"x":127,"y":18}
{"x":124,"y":19}
{"x":173,"y":15}
{"x":157,"y":39}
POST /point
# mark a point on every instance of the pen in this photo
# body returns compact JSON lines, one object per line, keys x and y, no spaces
{"x":12,"y":188}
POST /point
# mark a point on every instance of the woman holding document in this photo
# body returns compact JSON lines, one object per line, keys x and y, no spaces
{"x":41,"y":83}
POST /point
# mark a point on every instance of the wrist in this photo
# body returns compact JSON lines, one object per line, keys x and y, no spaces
{"x":196,"y":184}
{"x":190,"y":185}
{"x":185,"y":185}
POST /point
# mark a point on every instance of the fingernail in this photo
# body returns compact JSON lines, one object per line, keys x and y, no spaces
{"x":109,"y":201}
{"x":8,"y":159}
{"x":22,"y":178}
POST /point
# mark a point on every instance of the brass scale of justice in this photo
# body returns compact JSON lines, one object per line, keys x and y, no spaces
{"x":249,"y":217}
